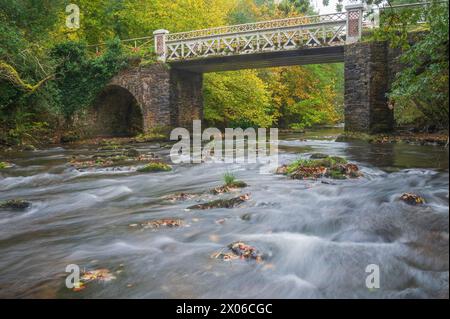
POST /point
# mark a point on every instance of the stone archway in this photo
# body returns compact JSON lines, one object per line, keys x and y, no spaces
{"x":117,"y":113}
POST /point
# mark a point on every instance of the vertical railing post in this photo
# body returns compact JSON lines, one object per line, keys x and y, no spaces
{"x":160,"y":44}
{"x":354,"y":22}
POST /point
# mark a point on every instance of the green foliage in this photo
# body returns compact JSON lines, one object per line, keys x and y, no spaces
{"x":229,"y":178}
{"x":420,"y":92}
{"x":79,"y":78}
{"x":237,"y":99}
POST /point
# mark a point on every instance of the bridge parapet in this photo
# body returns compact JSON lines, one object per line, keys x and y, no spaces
{"x":275,"y":35}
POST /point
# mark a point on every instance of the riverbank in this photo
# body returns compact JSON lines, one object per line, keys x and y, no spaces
{"x":440,"y":139}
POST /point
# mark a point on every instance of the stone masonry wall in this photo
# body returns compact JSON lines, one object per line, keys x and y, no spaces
{"x":186,"y":97}
{"x":151,"y":88}
{"x":367,"y":79}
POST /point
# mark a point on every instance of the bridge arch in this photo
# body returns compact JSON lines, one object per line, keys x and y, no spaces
{"x":135,"y":101}
{"x":117,"y":112}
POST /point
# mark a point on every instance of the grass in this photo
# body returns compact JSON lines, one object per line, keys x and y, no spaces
{"x":229,"y":178}
{"x":155,"y":167}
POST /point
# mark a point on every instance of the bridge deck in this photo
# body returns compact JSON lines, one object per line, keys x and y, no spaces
{"x":332,"y":54}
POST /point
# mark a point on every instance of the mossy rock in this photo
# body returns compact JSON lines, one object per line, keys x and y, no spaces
{"x":412,"y":199}
{"x":15,"y":204}
{"x":155,"y":167}
{"x":331,"y":167}
{"x":28,"y":147}
{"x":222,"y":203}
{"x":4,"y":165}
{"x":237,"y":184}
{"x":318,"y":156}
{"x":229,"y":187}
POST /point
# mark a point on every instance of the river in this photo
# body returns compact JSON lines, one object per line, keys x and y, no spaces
{"x":317,"y":238}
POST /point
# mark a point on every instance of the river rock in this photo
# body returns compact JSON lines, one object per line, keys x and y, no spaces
{"x":318,"y":156}
{"x":222,"y":203}
{"x":230,"y":187}
{"x":15,"y":204}
{"x":412,"y":199}
{"x":239,"y":250}
{"x":331,"y":167}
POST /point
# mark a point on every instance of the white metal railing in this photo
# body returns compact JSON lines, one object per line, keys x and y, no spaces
{"x":257,"y":26}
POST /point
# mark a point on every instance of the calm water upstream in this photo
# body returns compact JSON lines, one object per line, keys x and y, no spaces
{"x":318,"y":238}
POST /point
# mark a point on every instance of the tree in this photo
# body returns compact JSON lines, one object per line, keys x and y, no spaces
{"x":237,"y":99}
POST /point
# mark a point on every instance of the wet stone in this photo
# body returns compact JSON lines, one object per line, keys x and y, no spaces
{"x":318,"y":156}
{"x":239,"y":250}
{"x":222,"y":203}
{"x":158,"y":223}
{"x":180,"y":197}
{"x":15,"y":204}
{"x":412,"y":199}
{"x":230,"y":187}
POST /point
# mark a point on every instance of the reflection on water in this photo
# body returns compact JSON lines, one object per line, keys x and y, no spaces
{"x":317,"y":238}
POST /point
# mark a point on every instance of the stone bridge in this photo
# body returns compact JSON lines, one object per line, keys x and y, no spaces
{"x":169,"y":93}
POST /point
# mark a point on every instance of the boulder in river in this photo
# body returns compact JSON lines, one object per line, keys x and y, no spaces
{"x":180,"y":197}
{"x":331,"y":167}
{"x":222,"y":203}
{"x":412,"y":199}
{"x":239,"y":250}
{"x":318,"y":156}
{"x":15,"y":204}
{"x":230,"y":187}
{"x":157,"y":223}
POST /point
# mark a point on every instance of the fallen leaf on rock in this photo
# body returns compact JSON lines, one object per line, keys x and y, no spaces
{"x":239,"y":250}
{"x":181,"y":197}
{"x":78,"y":286}
{"x":102,"y":274}
{"x":245,"y":251}
{"x":412,"y":199}
{"x":167,"y":222}
{"x":225,"y":256}
{"x":304,"y":172}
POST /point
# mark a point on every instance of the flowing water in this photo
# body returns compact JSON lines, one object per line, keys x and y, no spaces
{"x":317,"y":238}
